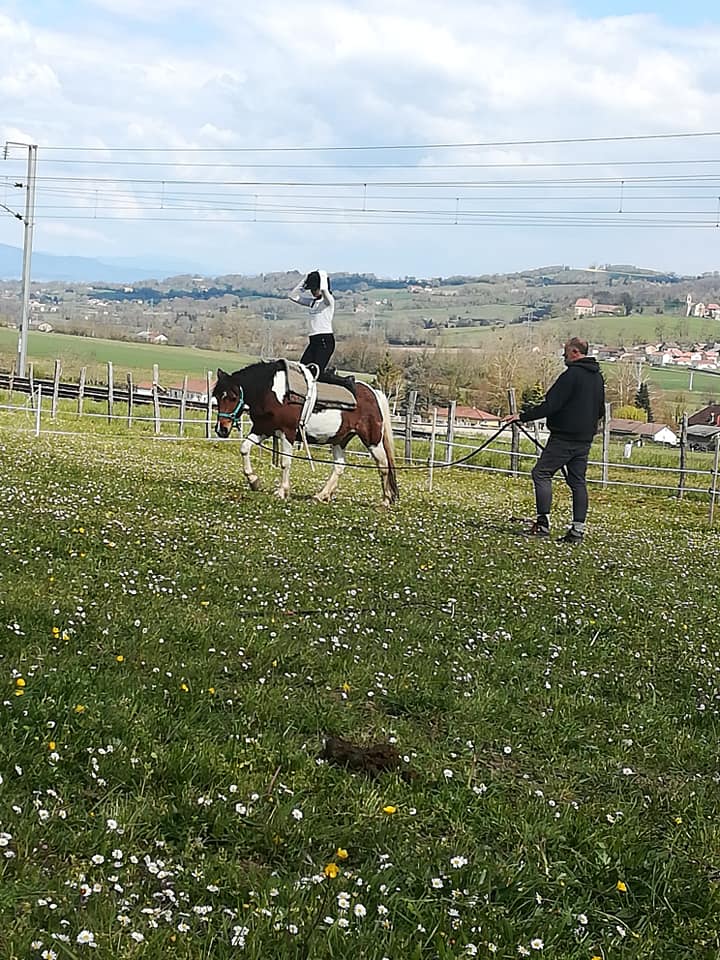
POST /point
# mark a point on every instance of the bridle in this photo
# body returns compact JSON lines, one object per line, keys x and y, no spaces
{"x":235,"y":414}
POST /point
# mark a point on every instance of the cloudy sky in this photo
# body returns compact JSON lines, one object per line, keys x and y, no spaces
{"x":397,"y":137}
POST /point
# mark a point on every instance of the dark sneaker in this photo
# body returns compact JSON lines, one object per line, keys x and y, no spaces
{"x":572,"y":536}
{"x":538,"y":530}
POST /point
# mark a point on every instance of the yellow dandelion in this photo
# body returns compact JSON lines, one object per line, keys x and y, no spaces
{"x":211,"y":690}
{"x":120,"y":658}
{"x":79,"y":708}
{"x":204,"y":603}
{"x":389,"y":810}
{"x":20,"y":692}
{"x":184,"y":687}
{"x":346,"y":687}
{"x":52,"y":745}
{"x":341,"y":853}
{"x":622,"y":887}
{"x":19,"y":682}
{"x":678,"y":820}
{"x":56,"y":631}
{"x":331,"y":870}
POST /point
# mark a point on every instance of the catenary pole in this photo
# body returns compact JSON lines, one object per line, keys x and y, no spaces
{"x":28,"y":222}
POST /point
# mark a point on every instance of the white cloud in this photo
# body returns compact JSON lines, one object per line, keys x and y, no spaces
{"x":336,"y":73}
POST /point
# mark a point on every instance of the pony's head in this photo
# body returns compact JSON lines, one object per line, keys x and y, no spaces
{"x":230,"y":399}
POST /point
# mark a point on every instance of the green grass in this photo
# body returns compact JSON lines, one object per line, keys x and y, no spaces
{"x":174,"y":648}
{"x":138,"y":358}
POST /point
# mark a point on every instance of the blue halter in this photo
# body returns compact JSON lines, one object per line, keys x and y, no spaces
{"x":235,"y":413}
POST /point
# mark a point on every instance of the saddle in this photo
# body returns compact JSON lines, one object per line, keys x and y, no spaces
{"x":327,"y":396}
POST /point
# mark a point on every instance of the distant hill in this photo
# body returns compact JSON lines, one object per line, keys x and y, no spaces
{"x":49,"y":266}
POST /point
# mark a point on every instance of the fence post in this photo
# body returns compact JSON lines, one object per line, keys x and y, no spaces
{"x":515,"y":439}
{"x":11,"y":380}
{"x":208,"y":421}
{"x":31,"y":379}
{"x":432,"y":449}
{"x":713,"y":489}
{"x":683,"y":454}
{"x":606,"y":445}
{"x":56,"y":390}
{"x":38,"y":410}
{"x":450,"y":435}
{"x":155,"y":397}
{"x":111,"y":391}
{"x":129,"y":378}
{"x":409,"y":413}
{"x":81,"y":390}
{"x":183,"y":402}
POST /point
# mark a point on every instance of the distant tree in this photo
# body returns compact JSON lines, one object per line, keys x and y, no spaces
{"x":389,"y":376}
{"x":627,"y":301}
{"x":642,"y":401}
{"x":532,"y":396}
{"x":629,"y":412}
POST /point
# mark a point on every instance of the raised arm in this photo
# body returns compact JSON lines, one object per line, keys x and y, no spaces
{"x":301,"y":296}
{"x":325,"y":288}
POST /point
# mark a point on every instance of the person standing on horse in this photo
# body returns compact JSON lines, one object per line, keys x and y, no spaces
{"x":321,"y":344}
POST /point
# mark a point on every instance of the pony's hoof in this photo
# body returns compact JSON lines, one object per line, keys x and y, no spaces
{"x":254,"y":484}
{"x":322,"y":497}
{"x":281,"y":494}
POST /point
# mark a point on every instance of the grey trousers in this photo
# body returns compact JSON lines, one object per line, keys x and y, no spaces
{"x":556,"y":455}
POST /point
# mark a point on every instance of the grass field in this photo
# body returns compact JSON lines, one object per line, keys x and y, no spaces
{"x":76,"y":352}
{"x":175,"y":649}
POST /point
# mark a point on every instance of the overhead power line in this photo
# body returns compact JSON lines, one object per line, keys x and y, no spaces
{"x":384,"y":166}
{"x":398,"y":146}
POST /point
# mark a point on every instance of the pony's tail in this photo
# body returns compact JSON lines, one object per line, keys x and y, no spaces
{"x":388,"y":444}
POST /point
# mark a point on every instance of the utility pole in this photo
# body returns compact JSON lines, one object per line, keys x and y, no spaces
{"x":28,"y":222}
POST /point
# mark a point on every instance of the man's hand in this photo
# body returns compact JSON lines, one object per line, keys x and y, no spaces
{"x":511,"y":418}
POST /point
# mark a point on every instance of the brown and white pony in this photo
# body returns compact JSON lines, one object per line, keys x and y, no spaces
{"x":262,"y":390}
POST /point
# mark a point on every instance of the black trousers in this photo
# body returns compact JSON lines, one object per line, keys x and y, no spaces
{"x":556,"y":455}
{"x":319,"y":350}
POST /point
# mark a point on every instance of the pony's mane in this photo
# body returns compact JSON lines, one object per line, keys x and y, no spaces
{"x":254,"y":377}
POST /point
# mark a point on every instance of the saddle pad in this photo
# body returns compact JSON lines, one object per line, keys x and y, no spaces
{"x":329,"y":395}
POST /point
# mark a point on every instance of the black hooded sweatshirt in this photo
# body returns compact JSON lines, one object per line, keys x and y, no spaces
{"x":574,"y":403}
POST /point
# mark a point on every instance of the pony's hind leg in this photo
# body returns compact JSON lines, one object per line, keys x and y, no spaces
{"x":286,"y":448}
{"x":337,"y":471}
{"x":381,"y":459}
{"x":251,"y":440}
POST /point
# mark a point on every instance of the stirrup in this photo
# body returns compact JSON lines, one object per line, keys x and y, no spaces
{"x":314,"y":370}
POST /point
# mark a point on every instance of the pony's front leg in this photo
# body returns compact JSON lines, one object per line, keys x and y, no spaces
{"x":337,"y":471}
{"x":251,"y":440}
{"x":286,"y":449}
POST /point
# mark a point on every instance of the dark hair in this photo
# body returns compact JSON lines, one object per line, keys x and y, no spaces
{"x":577,"y":344}
{"x":312,"y":281}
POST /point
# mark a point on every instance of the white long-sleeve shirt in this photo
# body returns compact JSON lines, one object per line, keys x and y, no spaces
{"x":322,"y":311}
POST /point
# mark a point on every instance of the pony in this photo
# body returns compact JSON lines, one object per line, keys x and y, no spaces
{"x":263,"y":390}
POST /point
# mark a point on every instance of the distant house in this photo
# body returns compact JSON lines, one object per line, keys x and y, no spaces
{"x":708,"y":416}
{"x":196,"y":390}
{"x":583,"y":307}
{"x":637,"y":429}
{"x":152,"y":336}
{"x":467,"y":416}
{"x":702,"y":437}
{"x":607,"y":310}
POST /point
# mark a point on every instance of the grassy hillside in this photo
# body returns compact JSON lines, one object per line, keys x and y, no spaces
{"x":76,"y":352}
{"x":176,"y":648}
